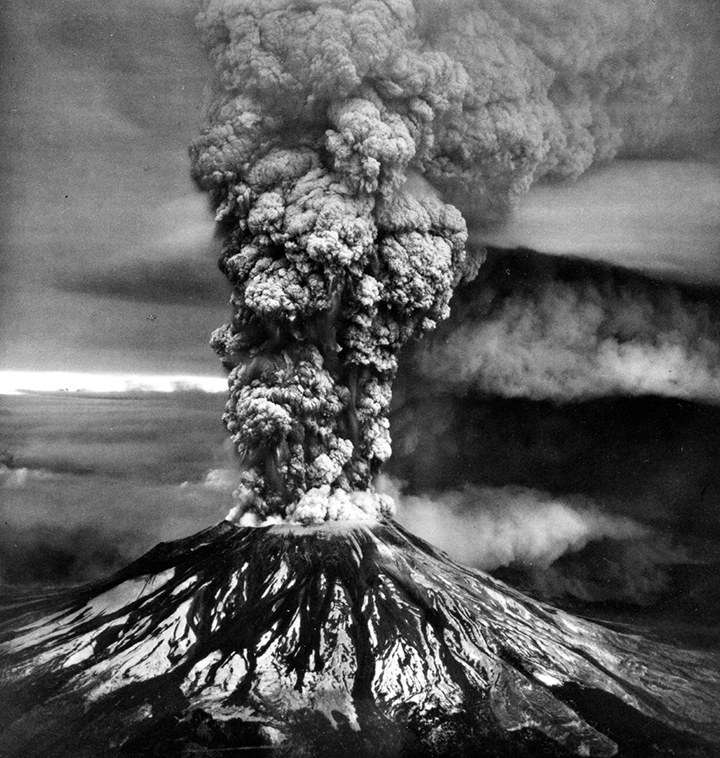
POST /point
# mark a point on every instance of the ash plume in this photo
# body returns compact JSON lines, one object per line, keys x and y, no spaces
{"x":326,"y":119}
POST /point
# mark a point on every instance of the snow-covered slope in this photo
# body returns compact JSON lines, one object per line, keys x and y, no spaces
{"x":354,"y":639}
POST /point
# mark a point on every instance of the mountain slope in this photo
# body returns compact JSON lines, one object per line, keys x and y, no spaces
{"x":337,"y":640}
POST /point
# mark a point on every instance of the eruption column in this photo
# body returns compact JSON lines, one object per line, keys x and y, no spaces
{"x":325,"y":118}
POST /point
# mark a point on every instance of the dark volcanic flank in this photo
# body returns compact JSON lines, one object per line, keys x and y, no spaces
{"x":335,"y":640}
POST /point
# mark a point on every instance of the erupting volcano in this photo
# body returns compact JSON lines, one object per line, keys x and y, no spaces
{"x":343,"y":140}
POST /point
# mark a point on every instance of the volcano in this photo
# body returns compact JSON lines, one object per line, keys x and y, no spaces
{"x":352,"y":638}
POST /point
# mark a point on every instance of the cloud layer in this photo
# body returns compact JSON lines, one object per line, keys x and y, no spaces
{"x":543,"y":328}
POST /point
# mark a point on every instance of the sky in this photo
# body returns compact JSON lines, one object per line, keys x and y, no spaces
{"x":108,"y":257}
{"x":659,"y":216}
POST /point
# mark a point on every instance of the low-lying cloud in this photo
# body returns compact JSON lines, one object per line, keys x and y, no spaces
{"x":65,"y":527}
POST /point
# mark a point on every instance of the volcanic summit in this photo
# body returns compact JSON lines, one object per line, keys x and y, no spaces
{"x":346,"y":639}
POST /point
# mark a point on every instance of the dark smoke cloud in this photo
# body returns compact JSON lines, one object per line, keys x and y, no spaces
{"x":650,"y":459}
{"x":544,"y":328}
{"x":516,"y":92}
{"x":639,"y":571}
{"x":655,"y":585}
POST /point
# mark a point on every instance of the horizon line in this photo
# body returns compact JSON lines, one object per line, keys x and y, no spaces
{"x":22,"y":382}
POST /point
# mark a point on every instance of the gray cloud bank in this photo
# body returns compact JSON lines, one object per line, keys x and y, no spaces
{"x":101,"y":101}
{"x":661,"y":217}
{"x":547,"y":328}
{"x":88,"y":482}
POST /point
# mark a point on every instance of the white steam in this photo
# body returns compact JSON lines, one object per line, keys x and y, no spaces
{"x":488,"y":527}
{"x":569,"y":341}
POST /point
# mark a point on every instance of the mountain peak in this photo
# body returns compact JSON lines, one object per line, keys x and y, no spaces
{"x":356,"y":639}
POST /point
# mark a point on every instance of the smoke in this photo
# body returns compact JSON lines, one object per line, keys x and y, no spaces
{"x":488,"y":527}
{"x":17,"y":478}
{"x":563,"y":331}
{"x":319,"y":115}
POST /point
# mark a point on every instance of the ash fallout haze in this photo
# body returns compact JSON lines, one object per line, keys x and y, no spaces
{"x":472,"y":259}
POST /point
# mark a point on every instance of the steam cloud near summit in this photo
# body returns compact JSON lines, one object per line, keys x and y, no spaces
{"x":324,"y":115}
{"x":487,"y":527}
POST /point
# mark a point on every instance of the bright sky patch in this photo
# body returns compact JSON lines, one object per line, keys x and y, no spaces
{"x":20,"y":382}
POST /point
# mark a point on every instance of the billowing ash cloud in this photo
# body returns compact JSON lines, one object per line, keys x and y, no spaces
{"x":321,"y":112}
{"x":543,"y":328}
